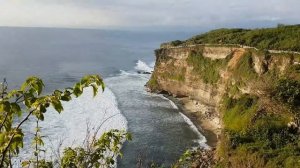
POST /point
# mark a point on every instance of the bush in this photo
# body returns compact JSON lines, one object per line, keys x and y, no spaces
{"x":256,"y":137}
{"x":28,"y":102}
{"x":279,"y":38}
{"x":238,"y":113}
{"x":288,"y":92}
{"x":176,"y":43}
{"x":207,"y":69}
{"x":152,"y":83}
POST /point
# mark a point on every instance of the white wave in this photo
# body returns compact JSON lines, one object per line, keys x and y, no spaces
{"x":173,"y":104}
{"x":170,"y":101}
{"x":70,"y":127}
{"x":142,"y":66}
{"x":201,"y":139}
{"x":122,"y":72}
{"x":88,"y":111}
{"x":152,"y":64}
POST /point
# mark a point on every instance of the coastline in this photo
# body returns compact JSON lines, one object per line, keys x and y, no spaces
{"x":203,"y":117}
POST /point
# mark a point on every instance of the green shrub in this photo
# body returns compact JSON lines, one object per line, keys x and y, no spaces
{"x":257,"y":137}
{"x":239,"y":112}
{"x":152,"y":83}
{"x":176,"y":43}
{"x":207,"y":69}
{"x":288,"y":92}
{"x":279,"y":38}
{"x":29,"y":102}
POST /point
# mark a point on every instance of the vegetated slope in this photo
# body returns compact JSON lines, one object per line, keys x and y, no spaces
{"x":257,"y":94}
{"x":279,"y":38}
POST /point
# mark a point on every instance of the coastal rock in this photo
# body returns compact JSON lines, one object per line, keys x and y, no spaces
{"x":143,"y":72}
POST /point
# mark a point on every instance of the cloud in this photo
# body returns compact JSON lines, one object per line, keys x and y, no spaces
{"x":145,"y":13}
{"x":17,"y":13}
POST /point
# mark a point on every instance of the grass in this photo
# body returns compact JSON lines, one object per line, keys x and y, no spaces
{"x":239,"y":112}
{"x":173,"y":72}
{"x":255,"y":136}
{"x":206,"y":69}
{"x":177,"y":74}
{"x":152,"y":83}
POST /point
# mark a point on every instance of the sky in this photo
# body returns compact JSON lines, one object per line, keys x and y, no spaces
{"x":148,"y":14}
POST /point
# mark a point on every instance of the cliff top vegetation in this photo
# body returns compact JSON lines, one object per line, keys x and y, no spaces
{"x":282,"y":37}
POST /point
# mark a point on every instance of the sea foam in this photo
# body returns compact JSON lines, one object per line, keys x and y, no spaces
{"x":142,"y":66}
{"x":201,"y":139}
{"x":85,"y":112}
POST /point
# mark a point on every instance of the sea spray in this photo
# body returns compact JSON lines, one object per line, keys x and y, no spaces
{"x":143,"y":67}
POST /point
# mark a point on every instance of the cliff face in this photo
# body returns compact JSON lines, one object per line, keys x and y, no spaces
{"x":255,"y":94}
{"x":205,"y":73}
{"x":174,"y":75}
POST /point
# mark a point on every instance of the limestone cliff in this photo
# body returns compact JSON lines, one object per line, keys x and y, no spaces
{"x":205,"y":73}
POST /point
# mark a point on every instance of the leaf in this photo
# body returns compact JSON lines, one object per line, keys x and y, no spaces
{"x":57,"y":105}
{"x":40,"y":116}
{"x":33,"y":84}
{"x":77,"y":89}
{"x":95,"y":89}
{"x":25,"y":163}
{"x":129,"y":137}
{"x":57,"y":93}
{"x":16,"y":109}
{"x":2,"y":138}
{"x":42,"y":109}
{"x":103,"y":87}
{"x":5,"y":106}
{"x":66,"y":96}
{"x":13,"y":93}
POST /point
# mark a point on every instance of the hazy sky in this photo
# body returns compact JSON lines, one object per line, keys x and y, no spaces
{"x":142,"y":14}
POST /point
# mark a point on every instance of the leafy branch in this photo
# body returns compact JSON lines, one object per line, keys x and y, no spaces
{"x":27,"y":102}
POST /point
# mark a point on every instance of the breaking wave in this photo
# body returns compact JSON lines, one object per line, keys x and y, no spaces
{"x":143,"y":67}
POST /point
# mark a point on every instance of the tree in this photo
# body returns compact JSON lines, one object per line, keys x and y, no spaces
{"x":17,"y":106}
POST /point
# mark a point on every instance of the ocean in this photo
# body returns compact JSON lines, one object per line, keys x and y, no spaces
{"x":62,"y":56}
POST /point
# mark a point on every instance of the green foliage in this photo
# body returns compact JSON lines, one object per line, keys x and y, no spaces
{"x":172,"y":73}
{"x":101,"y":152}
{"x":176,"y":43}
{"x":176,"y":73}
{"x":288,"y":92}
{"x":293,"y":71}
{"x":152,"y":83}
{"x":13,"y":116}
{"x":178,"y":76}
{"x":199,"y":157}
{"x":239,"y":112}
{"x":256,"y":137}
{"x":207,"y":69}
{"x":279,"y":38}
{"x":185,"y":160}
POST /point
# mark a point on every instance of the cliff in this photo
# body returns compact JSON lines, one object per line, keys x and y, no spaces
{"x":245,"y":87}
{"x":205,"y":73}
